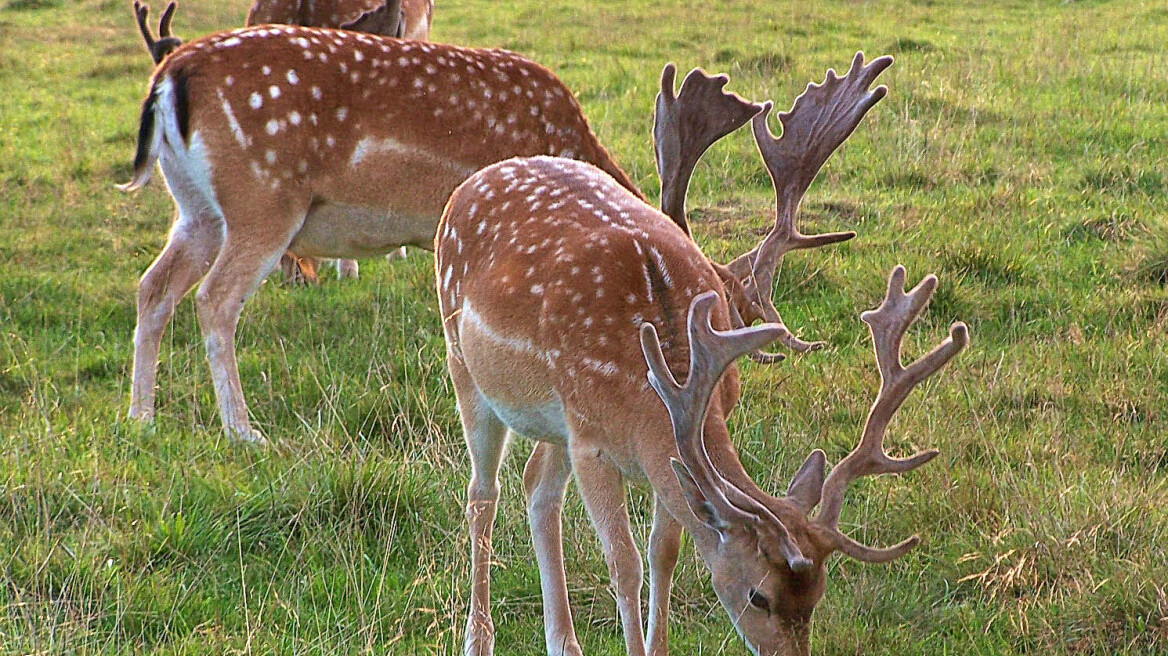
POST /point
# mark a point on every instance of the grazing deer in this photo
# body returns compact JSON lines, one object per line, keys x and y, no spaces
{"x":328,"y":143}
{"x":548,"y":269}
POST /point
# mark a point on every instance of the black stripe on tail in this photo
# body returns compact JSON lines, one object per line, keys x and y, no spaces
{"x":145,"y":130}
{"x":182,"y":104}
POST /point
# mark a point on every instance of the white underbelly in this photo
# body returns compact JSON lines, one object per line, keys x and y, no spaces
{"x":354,"y":231}
{"x":544,"y":423}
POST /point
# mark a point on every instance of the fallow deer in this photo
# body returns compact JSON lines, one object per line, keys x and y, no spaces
{"x":329,"y":143}
{"x":407,"y":19}
{"x":547,"y":271}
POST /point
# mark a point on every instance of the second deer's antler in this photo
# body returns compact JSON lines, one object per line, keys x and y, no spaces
{"x":820,"y":120}
{"x":887,"y":323}
{"x":687,"y":124}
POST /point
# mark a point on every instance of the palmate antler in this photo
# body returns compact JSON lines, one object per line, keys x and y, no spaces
{"x":166,"y":42}
{"x":887,"y":323}
{"x":710,"y":352}
{"x":820,"y":120}
{"x":687,"y":124}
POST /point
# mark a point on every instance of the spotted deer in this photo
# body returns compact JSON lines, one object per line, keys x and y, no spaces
{"x":407,"y":19}
{"x":328,"y":143}
{"x":564,"y":300}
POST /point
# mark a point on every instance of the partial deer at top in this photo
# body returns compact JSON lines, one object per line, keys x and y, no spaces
{"x":410,"y":19}
{"x":567,"y":301}
{"x":329,"y":143}
{"x":407,"y":19}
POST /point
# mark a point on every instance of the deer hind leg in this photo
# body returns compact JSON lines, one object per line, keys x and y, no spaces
{"x":486,"y":438}
{"x":602,"y":487}
{"x":664,"y":546}
{"x":194,"y":242}
{"x":399,"y":254}
{"x":545,"y":479}
{"x":249,"y":253}
{"x":347,"y":269}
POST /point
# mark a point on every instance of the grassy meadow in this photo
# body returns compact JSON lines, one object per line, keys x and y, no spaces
{"x":1022,"y":155}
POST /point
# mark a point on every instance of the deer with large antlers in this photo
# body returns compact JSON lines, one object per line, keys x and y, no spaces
{"x":327,"y":143}
{"x":564,"y":298}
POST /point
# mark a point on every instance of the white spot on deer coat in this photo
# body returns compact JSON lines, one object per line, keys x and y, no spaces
{"x":255,"y":100}
{"x":293,"y":78}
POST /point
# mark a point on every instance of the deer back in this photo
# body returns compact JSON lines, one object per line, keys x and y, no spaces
{"x":354,"y":116}
{"x":564,"y":262}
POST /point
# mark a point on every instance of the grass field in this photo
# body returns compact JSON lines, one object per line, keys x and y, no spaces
{"x":1022,"y":155}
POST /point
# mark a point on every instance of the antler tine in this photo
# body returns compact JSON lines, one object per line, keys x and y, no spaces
{"x":711,"y":351}
{"x":888,"y":323}
{"x":819,"y":121}
{"x":686,"y":124}
{"x":164,"y":22}
{"x":141,"y":12}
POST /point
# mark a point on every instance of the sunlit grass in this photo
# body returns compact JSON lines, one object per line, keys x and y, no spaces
{"x":1020,"y":155}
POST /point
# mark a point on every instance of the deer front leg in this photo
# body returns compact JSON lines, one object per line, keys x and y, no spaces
{"x":193,"y":244}
{"x":664,"y":546}
{"x":602,"y":486}
{"x":545,"y":479}
{"x":486,"y":438}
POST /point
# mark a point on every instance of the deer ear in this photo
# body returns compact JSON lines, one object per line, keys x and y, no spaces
{"x":807,"y":485}
{"x":696,"y":500}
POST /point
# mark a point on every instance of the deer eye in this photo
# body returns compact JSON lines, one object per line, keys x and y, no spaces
{"x":759,"y":600}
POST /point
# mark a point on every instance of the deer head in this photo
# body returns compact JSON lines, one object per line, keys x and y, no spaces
{"x":767,"y":561}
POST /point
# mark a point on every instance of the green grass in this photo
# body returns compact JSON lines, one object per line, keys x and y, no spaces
{"x":1020,"y":155}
